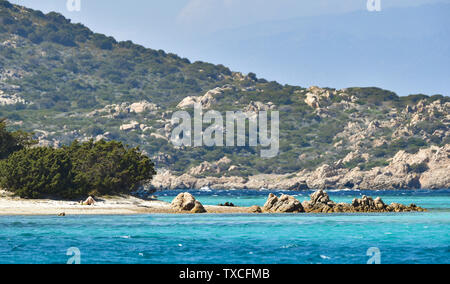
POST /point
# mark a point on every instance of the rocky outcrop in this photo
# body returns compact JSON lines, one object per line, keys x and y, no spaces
{"x":284,"y":204}
{"x":321,"y":203}
{"x":368,"y":204}
{"x":133,"y":125}
{"x":320,"y":98}
{"x":437,"y":166}
{"x":11,"y":99}
{"x":259,"y":106}
{"x":204,"y":167}
{"x":324,"y":177}
{"x":425,"y":111}
{"x":216,"y":168}
{"x":354,"y":156}
{"x":255,"y":209}
{"x":427,"y":169}
{"x":185,"y":202}
{"x":118,"y":110}
{"x":316,"y":97}
{"x":207,"y":100}
{"x":142,"y":106}
{"x":198,"y":208}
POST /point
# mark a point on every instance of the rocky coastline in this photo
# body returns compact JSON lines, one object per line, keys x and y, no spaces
{"x":427,"y":169}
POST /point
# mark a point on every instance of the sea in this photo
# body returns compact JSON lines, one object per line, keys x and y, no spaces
{"x":384,"y":238}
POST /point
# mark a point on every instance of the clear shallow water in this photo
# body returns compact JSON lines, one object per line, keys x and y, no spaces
{"x":253,"y":239}
{"x":439,"y":199}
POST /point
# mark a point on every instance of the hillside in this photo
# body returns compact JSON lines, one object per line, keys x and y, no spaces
{"x":64,"y":82}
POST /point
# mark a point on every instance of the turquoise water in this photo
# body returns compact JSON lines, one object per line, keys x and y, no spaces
{"x":238,"y":239}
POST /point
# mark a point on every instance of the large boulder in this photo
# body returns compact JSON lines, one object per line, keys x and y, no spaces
{"x":183,"y":202}
{"x":255,"y":209}
{"x":320,"y":196}
{"x":207,"y":100}
{"x":395,"y":207}
{"x":198,"y":208}
{"x":368,"y":204}
{"x":186,"y":202}
{"x":89,"y":201}
{"x":284,"y":204}
{"x":320,"y":203}
{"x":379,"y":204}
{"x":142,"y":106}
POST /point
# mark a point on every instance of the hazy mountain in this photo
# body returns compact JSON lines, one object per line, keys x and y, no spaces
{"x":404,"y":49}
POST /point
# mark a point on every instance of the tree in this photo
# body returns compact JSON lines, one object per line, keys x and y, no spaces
{"x":12,"y":141}
{"x":109,"y":167}
{"x":37,"y":172}
{"x":76,"y":171}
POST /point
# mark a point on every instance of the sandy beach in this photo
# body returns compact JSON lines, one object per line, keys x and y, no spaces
{"x":117,"y":205}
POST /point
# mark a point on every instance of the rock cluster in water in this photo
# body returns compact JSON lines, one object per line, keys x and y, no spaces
{"x":321,"y":203}
{"x":285,"y":204}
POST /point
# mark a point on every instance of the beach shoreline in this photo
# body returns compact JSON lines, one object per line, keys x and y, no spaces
{"x":116,"y":205}
{"x":186,"y":203}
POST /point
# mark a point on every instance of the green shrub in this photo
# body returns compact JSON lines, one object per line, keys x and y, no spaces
{"x":103,"y":42}
{"x":12,"y":141}
{"x":37,"y":172}
{"x":109,"y":167}
{"x":78,"y":170}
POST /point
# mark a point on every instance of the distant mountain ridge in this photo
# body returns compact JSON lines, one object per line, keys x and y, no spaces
{"x":65,"y":82}
{"x":396,"y":49}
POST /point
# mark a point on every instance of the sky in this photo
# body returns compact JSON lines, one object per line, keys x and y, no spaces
{"x":405,"y":47}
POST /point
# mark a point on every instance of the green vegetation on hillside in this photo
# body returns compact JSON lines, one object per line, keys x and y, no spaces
{"x":64,"y":72}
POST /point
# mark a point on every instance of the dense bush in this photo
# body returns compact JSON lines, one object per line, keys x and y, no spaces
{"x":37,"y":172}
{"x":78,"y":170}
{"x":108,"y":167}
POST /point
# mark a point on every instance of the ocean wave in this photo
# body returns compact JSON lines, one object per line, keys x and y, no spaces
{"x":344,"y":190}
{"x":205,"y":189}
